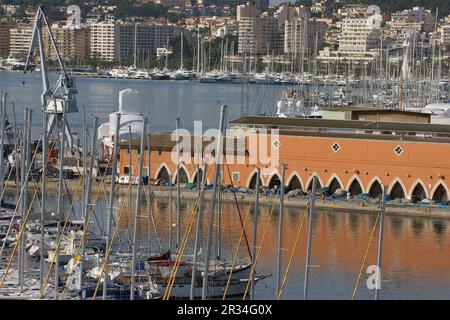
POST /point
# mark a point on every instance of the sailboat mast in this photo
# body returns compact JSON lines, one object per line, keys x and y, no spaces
{"x":167,"y":54}
{"x":135,"y":45}
{"x":213,"y":200}
{"x":198,"y":239}
{"x":198,"y":49}
{"x":115,"y":155}
{"x":24,"y":187}
{"x":149,"y":198}
{"x":181,"y":62}
{"x":2,"y":138}
{"x":280,"y":229}
{"x":255,"y":230}
{"x":178,"y":184}
{"x":137,"y":214}
{"x":308,"y":250}
{"x":380,"y":243}
{"x":170,"y":212}
{"x":87,"y":203}
{"x":219,"y":220}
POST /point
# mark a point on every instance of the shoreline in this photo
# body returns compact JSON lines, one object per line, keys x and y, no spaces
{"x":331,"y":205}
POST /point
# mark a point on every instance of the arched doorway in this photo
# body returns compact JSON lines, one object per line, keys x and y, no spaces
{"x":440,"y":194}
{"x":418,"y":193}
{"x":397,"y":191}
{"x":198,"y":176}
{"x":318,"y":185}
{"x":252,"y":183}
{"x":274,"y":181}
{"x":163,"y":176}
{"x":355,"y":188}
{"x":183,"y":176}
{"x":295,"y":183}
{"x":376,"y":190}
{"x":333,"y":186}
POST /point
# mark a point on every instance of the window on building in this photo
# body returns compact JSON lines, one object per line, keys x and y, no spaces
{"x":235,"y":176}
{"x":128,"y":170}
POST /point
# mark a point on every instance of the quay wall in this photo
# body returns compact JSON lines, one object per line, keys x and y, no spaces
{"x":355,"y":206}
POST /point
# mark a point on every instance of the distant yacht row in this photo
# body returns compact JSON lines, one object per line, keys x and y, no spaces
{"x":217,"y":76}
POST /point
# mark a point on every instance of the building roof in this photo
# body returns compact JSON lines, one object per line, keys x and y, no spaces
{"x":328,"y":124}
{"x":377,"y":110}
{"x":162,"y":141}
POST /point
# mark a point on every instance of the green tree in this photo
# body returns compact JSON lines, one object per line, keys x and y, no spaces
{"x":175,"y":59}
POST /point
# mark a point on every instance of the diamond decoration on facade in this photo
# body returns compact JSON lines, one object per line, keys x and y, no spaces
{"x":336,"y":147}
{"x":398,"y":150}
{"x":276,"y":144}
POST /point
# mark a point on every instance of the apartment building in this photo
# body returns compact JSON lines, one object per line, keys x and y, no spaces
{"x":5,"y":26}
{"x":148,"y":36}
{"x":247,"y":10}
{"x":73,"y":43}
{"x":358,"y":35}
{"x":287,"y":12}
{"x":445,"y":35}
{"x":102,"y":40}
{"x":303,"y":36}
{"x":259,"y":35}
{"x":19,"y":40}
{"x":416,"y":18}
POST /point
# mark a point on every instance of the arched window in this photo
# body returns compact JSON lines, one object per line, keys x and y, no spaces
{"x":163,"y":176}
{"x":295,"y":183}
{"x":252,"y":183}
{"x":274,"y":181}
{"x":376,"y":190}
{"x":397,"y":191}
{"x":418,"y":193}
{"x":355,"y":188}
{"x":333,"y":186}
{"x":183,"y":176}
{"x":440,"y":194}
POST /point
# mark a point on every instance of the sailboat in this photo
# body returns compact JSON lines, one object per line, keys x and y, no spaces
{"x":181,"y":73}
{"x":160,"y":271}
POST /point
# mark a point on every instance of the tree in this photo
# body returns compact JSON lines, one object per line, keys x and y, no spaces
{"x":175,"y":44}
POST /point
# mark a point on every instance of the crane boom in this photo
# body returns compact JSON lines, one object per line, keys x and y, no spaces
{"x":60,"y":98}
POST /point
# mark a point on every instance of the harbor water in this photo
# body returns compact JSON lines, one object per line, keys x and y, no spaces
{"x":162,"y":101}
{"x":415,"y":264}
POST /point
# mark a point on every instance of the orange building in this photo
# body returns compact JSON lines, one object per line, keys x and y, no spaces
{"x":411,"y":159}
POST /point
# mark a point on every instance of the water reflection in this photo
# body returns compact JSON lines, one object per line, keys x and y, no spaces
{"x":439,"y":227}
{"x":396,"y":223}
{"x":417,"y":226}
{"x":354,"y":223}
{"x":416,"y":258}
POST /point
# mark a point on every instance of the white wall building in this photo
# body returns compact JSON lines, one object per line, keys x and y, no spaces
{"x":445,"y":35}
{"x":359,"y":35}
{"x":103,"y":36}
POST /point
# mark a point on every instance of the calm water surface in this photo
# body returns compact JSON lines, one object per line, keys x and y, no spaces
{"x":162,"y":101}
{"x":416,"y":254}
